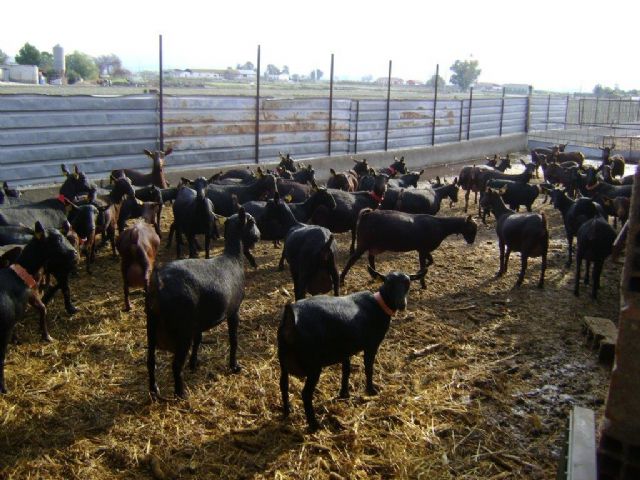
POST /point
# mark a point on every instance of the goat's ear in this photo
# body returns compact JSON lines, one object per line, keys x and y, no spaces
{"x":185,"y":181}
{"x":455,"y":180}
{"x":332,"y":171}
{"x":259,"y":172}
{"x":418,"y":276}
{"x":313,"y":184}
{"x":242,"y":216}
{"x":523,"y":162}
{"x":214,"y":177}
{"x":234,"y":202}
{"x":469,"y":219}
{"x":375,"y":274}
{"x":38,"y":231}
{"x":168,"y":151}
{"x":66,"y":227}
{"x":148,"y":153}
{"x":402,"y":159}
{"x":421,"y":172}
{"x":613,"y":146}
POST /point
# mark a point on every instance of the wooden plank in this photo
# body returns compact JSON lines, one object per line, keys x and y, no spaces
{"x":602,"y":334}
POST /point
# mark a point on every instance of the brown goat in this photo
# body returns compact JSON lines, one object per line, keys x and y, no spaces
{"x":138,"y":247}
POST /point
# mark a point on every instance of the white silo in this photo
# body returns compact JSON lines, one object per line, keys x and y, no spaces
{"x":58,"y":60}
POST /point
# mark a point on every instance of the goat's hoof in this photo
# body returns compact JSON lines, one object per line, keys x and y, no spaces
{"x":576,"y":293}
{"x":313,"y":427}
{"x":182,"y":395}
{"x":343,"y":394}
{"x":72,"y":309}
{"x":235,"y":369}
{"x":127,"y":308}
{"x":372,"y":390}
{"x":540,"y":286}
{"x":47,"y":338}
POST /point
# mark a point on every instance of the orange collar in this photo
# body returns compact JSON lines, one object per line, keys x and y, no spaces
{"x":376,"y":197}
{"x":385,"y":308}
{"x":24,"y":275}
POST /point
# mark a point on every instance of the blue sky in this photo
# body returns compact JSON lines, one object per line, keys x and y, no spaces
{"x":561,"y":45}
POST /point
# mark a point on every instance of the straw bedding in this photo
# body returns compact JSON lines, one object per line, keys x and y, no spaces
{"x":476,"y":379}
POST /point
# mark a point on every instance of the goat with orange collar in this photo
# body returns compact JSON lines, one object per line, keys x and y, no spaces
{"x":323,"y":330}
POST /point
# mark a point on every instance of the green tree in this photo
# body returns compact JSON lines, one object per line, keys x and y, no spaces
{"x":316,"y":74}
{"x":46,"y":62}
{"x":108,"y":64}
{"x":80,"y":66}
{"x":3,"y":57}
{"x":272,"y":70}
{"x":432,"y":82}
{"x":28,"y":55}
{"x":465,"y":73}
{"x":285,"y":69}
{"x":246,"y":66}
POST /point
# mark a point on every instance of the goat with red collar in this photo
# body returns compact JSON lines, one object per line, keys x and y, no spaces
{"x":18,"y":287}
{"x":323,"y":330}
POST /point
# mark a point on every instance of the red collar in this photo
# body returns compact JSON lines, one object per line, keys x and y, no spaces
{"x":385,"y":308}
{"x":24,"y":275}
{"x":376,"y":197}
{"x":64,"y":200}
{"x":393,"y":170}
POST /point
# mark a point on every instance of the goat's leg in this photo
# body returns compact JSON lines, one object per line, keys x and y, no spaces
{"x":193,"y":360}
{"x":369,"y":358}
{"x":282,"y":259}
{"x":466,"y":200}
{"x":344,"y":386}
{"x":352,"y":259}
{"x":576,"y":286}
{"x":425,"y":260}
{"x":586,"y":273}
{"x":191,"y":244}
{"x":335,"y":279}
{"x":372,"y":262}
{"x":178,"y":242}
{"x":307,"y":398}
{"x":597,"y":271}
{"x":284,"y":389}
{"x":125,"y":283}
{"x":523,"y":267}
{"x":179,"y":358}
{"x":543,"y":269}
{"x":207,"y":244}
{"x":4,"y":344}
{"x":151,"y":355}
{"x":250,"y":258}
{"x":299,"y":286}
{"x":232,"y":324}
{"x":352,"y":247}
{"x":502,"y":268}
{"x":172,"y":230}
{"x":570,"y":246}
{"x":507,"y":254}
{"x":111,"y":233}
{"x":35,"y":301}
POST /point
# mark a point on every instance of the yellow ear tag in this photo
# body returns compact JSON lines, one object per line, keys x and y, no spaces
{"x":288,"y":198}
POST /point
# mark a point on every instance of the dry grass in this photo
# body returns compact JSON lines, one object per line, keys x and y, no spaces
{"x":476,"y":381}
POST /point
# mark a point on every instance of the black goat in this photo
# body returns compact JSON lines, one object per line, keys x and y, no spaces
{"x":192,"y":215}
{"x":310,"y":251}
{"x":398,"y":166}
{"x":594,"y":244}
{"x":526,"y":233}
{"x":514,"y":194}
{"x":18,"y":287}
{"x":386,"y":230}
{"x":405,"y":181}
{"x":188,"y":297}
{"x":321,"y":331}
{"x":222,"y":196}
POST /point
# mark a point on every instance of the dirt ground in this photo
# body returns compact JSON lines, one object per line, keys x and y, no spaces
{"x":477,"y":379}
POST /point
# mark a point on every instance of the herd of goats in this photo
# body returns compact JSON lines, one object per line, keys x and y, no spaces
{"x":384,"y":210}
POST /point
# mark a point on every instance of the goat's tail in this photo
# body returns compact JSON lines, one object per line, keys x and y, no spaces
{"x":287,"y":329}
{"x":363,"y":213}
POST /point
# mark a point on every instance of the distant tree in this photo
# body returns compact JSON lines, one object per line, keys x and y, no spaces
{"x":367,"y":78}
{"x":46,"y":62}
{"x":80,"y":66}
{"x":28,"y":55}
{"x":3,"y":57}
{"x":316,"y":74}
{"x":432,"y":82}
{"x":272,"y":70}
{"x":108,"y":64}
{"x":285,"y":69}
{"x":246,"y":66}
{"x":465,"y":73}
{"x":295,"y":77}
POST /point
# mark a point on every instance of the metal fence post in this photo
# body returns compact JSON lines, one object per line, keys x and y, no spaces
{"x":608,"y":110}
{"x":355,"y":147}
{"x":257,"y":139}
{"x":469,"y":118}
{"x":595,"y":117}
{"x":546,"y":126}
{"x":330,"y":106}
{"x":435,"y":103}
{"x":566,"y":112}
{"x":527,"y":120}
{"x":461,"y":112}
{"x":161,"y":94}
{"x":502,"y":110}
{"x":386,"y":128}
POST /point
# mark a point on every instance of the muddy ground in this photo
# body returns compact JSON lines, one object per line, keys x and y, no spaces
{"x":477,"y":379}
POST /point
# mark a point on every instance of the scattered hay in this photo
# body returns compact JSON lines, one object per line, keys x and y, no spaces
{"x":476,"y":381}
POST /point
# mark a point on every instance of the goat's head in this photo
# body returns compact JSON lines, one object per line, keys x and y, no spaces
{"x":396,"y":286}
{"x":158,"y":157}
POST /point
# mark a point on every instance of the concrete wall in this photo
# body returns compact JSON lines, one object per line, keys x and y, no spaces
{"x":23,"y":73}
